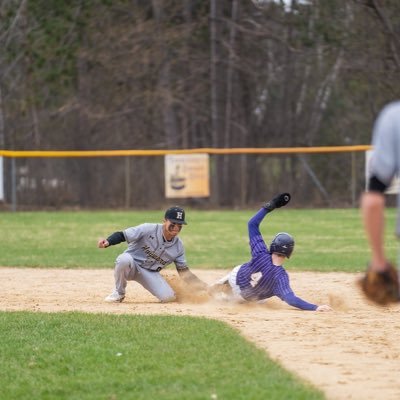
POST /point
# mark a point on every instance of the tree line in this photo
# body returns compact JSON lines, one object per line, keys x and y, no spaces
{"x":173,"y":74}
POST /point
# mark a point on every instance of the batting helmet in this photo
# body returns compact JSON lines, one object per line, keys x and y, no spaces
{"x":282,"y":244}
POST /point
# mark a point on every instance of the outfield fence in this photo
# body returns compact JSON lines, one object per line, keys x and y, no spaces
{"x":240,"y":177}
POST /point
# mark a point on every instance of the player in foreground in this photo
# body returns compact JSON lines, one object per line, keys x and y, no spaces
{"x":264,"y":276}
{"x":381,"y":282}
{"x":151,"y":247}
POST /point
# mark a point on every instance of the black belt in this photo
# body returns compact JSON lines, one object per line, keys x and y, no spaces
{"x":153,"y":270}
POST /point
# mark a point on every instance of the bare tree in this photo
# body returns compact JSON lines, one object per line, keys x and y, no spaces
{"x":187,"y":74}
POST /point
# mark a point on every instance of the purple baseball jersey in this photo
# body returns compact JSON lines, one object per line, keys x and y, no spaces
{"x":260,"y":279}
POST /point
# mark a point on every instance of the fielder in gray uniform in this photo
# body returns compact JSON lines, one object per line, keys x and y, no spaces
{"x":151,"y":247}
{"x":384,"y":166}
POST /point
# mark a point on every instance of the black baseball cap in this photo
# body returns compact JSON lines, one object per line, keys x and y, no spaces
{"x":176,"y":215}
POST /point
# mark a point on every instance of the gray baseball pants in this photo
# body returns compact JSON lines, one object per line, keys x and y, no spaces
{"x":126,"y":270}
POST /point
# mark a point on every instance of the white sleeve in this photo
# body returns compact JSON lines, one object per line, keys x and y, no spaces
{"x":386,"y":137}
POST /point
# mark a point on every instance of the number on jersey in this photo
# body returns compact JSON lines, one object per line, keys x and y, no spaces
{"x":255,"y":278}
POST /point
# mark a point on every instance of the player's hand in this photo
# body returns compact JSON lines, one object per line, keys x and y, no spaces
{"x":324,"y":308}
{"x":278,"y":201}
{"x":103,"y":243}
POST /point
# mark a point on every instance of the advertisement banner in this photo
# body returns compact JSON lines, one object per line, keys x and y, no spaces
{"x":187,"y":175}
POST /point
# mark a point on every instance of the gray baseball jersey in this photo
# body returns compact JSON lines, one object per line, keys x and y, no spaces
{"x":385,"y":161}
{"x":151,"y":251}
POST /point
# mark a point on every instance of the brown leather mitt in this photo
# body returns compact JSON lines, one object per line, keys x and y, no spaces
{"x":381,"y":287}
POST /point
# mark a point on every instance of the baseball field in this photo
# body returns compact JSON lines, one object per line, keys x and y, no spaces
{"x":59,"y":340}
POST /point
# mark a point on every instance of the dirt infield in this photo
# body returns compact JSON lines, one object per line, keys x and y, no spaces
{"x":351,"y":353}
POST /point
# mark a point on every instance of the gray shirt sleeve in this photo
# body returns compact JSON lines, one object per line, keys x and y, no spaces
{"x":134,"y":233}
{"x":180,"y":261}
{"x":386,"y":144}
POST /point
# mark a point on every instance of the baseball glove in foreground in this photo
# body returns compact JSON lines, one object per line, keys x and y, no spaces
{"x":381,"y":287}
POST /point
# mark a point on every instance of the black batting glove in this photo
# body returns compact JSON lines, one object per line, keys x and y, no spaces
{"x":277,"y":202}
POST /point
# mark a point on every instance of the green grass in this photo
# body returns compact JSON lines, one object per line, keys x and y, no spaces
{"x":84,"y":356}
{"x":326,"y":240}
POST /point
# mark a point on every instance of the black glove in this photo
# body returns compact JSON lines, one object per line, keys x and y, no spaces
{"x":277,"y":202}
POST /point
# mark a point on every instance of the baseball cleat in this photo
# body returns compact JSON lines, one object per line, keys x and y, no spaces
{"x":114,"y":297}
{"x":220,"y":291}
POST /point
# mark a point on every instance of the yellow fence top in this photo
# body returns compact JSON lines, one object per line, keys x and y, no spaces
{"x":124,"y":153}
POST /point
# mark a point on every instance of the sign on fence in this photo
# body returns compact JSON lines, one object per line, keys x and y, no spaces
{"x":187,"y":175}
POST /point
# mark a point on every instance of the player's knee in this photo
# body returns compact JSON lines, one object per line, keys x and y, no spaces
{"x":122,"y":262}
